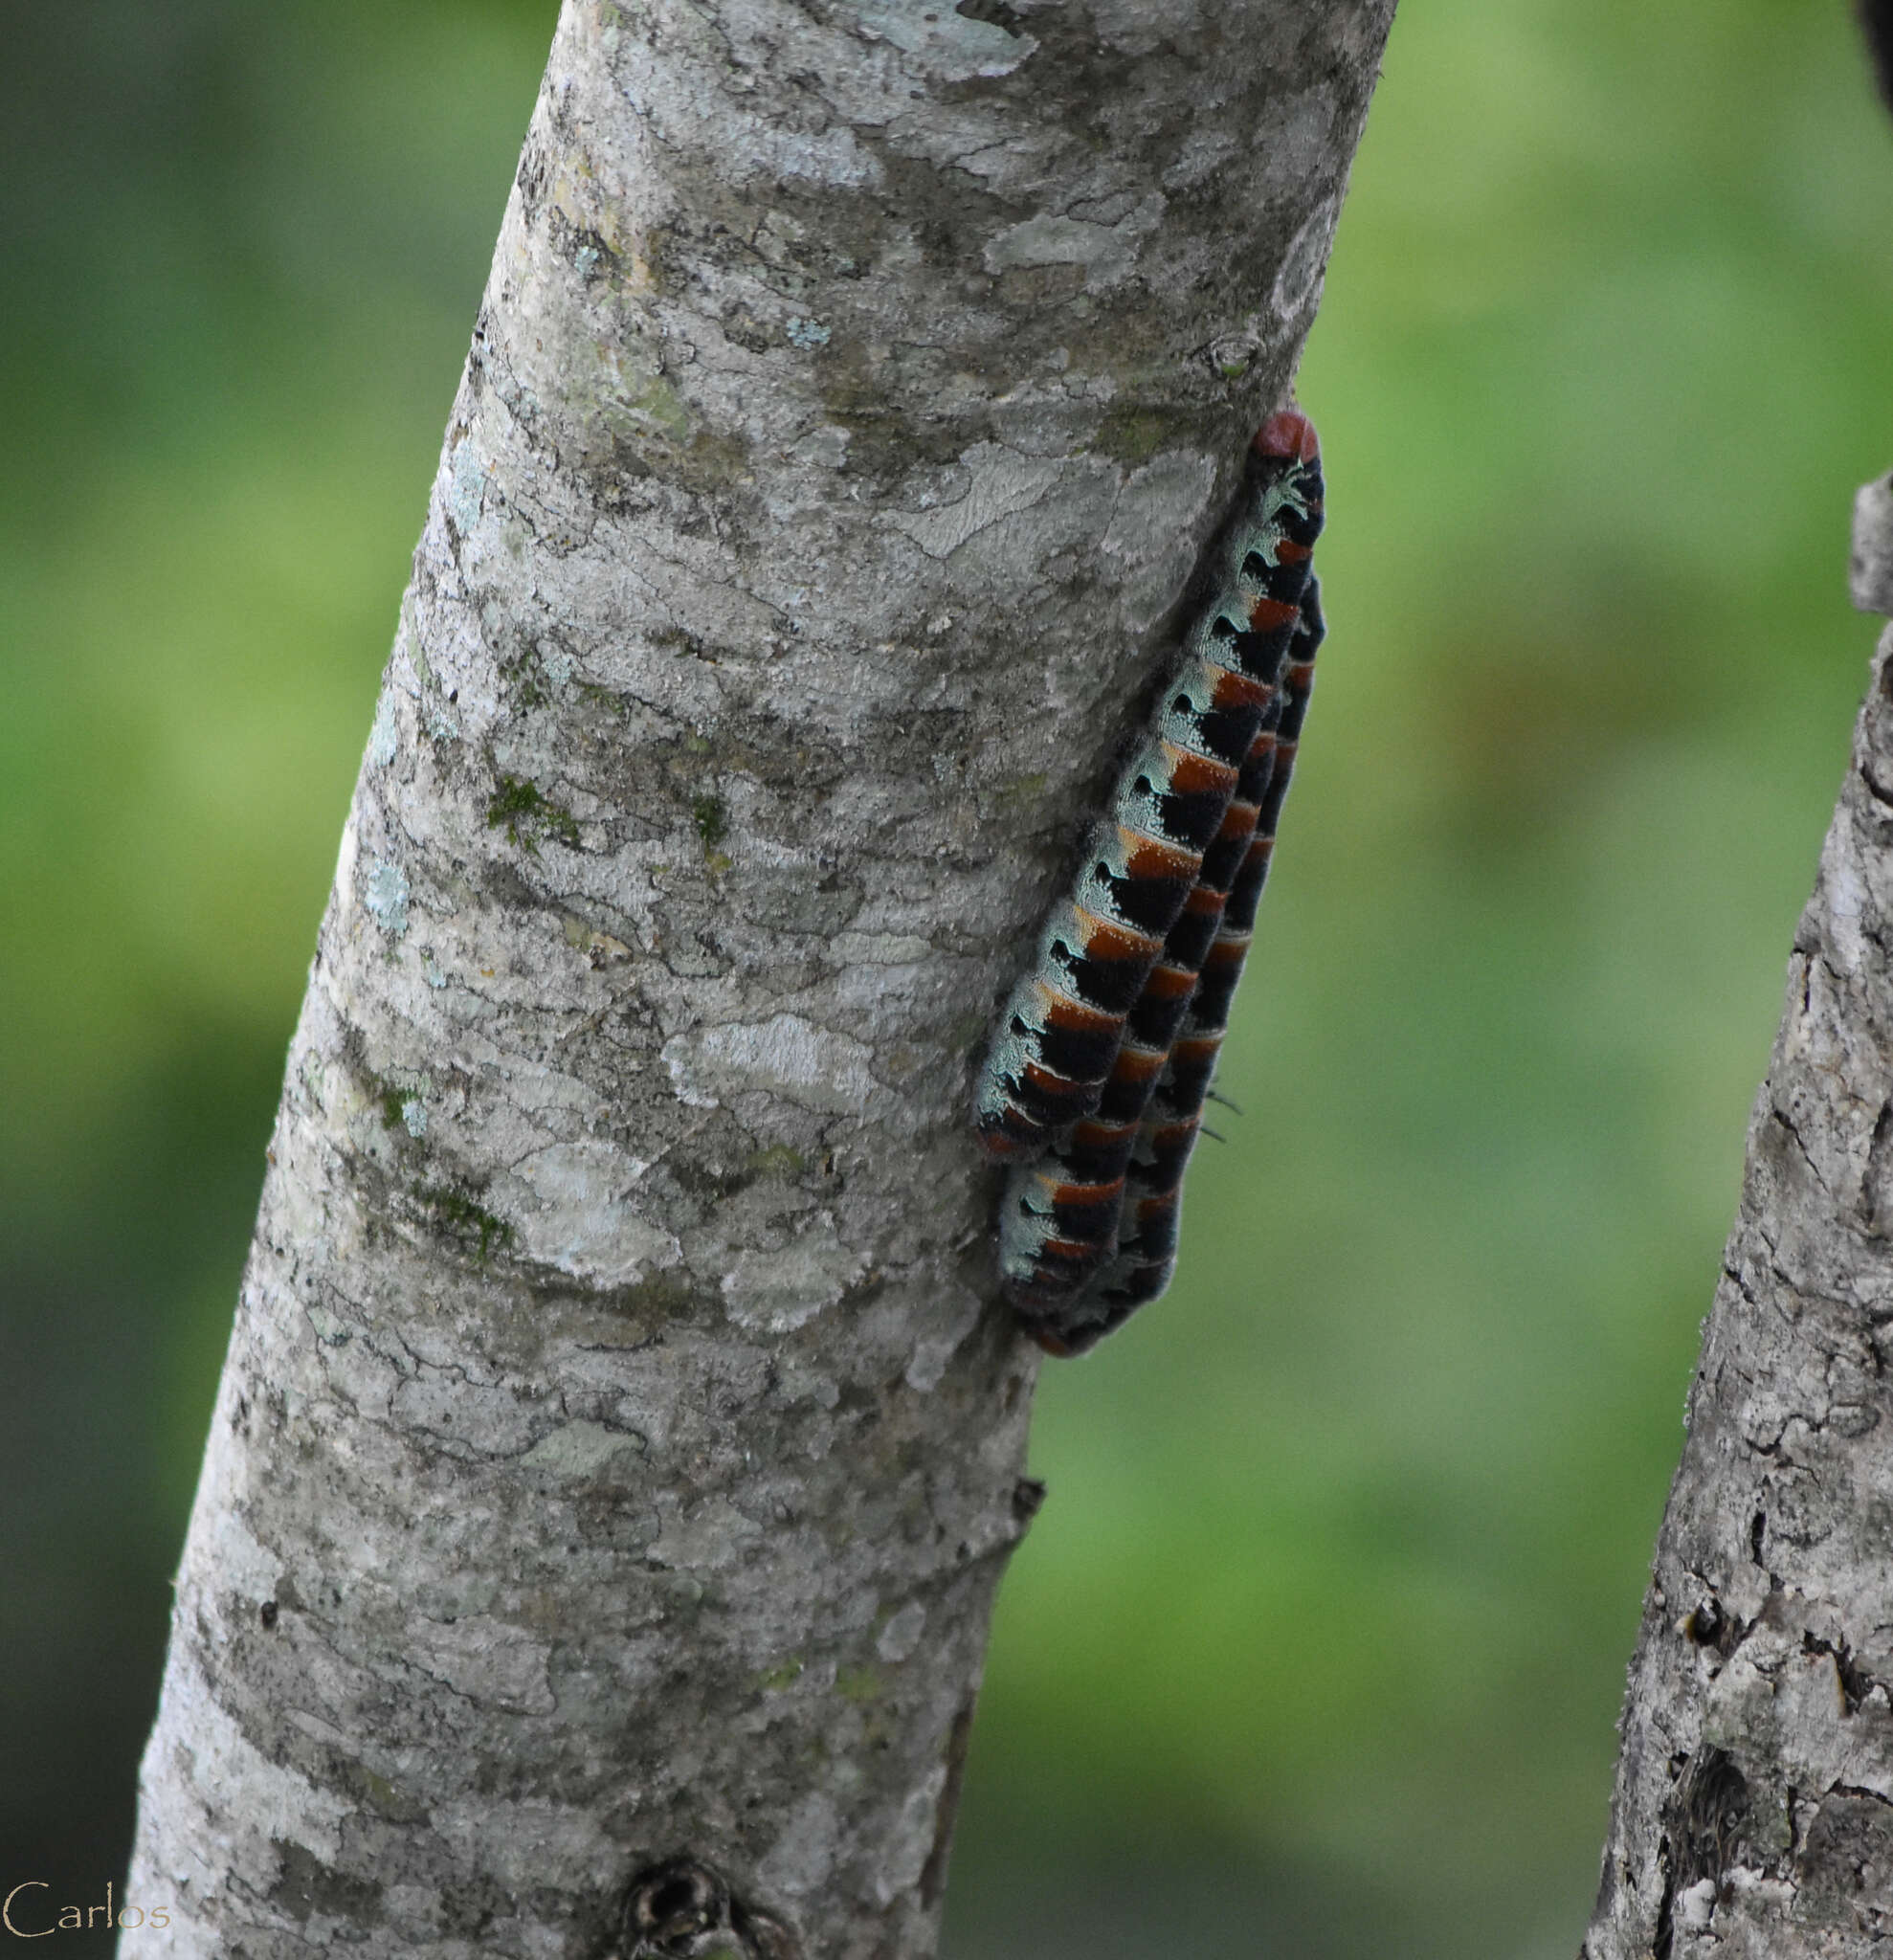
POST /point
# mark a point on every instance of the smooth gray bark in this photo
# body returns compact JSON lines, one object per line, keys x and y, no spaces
{"x":1753,"y":1814}
{"x":619,"y":1442}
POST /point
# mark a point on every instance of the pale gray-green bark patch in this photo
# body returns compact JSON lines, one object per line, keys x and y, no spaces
{"x":902,"y":1634}
{"x":952,"y":45}
{"x":1298,"y":284}
{"x":1107,"y":251}
{"x":620,"y":1441}
{"x":384,"y":736}
{"x":385,"y":893}
{"x":1870,"y":564}
{"x":781,"y":1288}
{"x":583,"y":1450}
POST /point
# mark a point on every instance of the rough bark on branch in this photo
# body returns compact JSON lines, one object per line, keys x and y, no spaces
{"x":1753,"y":1814}
{"x":620,"y":1445}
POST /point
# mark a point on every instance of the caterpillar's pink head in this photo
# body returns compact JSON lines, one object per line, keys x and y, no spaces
{"x":1290,"y":436}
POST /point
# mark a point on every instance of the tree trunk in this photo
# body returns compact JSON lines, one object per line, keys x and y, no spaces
{"x":1753,"y":1813}
{"x":620,"y":1445}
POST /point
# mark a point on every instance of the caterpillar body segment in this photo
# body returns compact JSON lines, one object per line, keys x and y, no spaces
{"x":1069,"y":1010}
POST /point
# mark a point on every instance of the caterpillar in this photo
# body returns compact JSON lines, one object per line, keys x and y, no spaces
{"x":1061,"y":1028}
{"x":1067,"y":1320}
{"x":1059,"y":1212}
{"x":1109,"y":1186}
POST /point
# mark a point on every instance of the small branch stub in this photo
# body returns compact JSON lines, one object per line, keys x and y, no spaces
{"x":684,"y":1909}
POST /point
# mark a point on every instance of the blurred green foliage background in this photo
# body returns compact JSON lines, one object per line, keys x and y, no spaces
{"x":1318,"y":1646}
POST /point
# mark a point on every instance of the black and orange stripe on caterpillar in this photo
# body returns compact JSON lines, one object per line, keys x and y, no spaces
{"x":1059,"y":1214}
{"x":1145,"y":1216}
{"x":1060,"y":1032}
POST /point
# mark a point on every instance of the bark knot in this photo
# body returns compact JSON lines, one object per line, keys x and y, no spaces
{"x":686,"y":1909}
